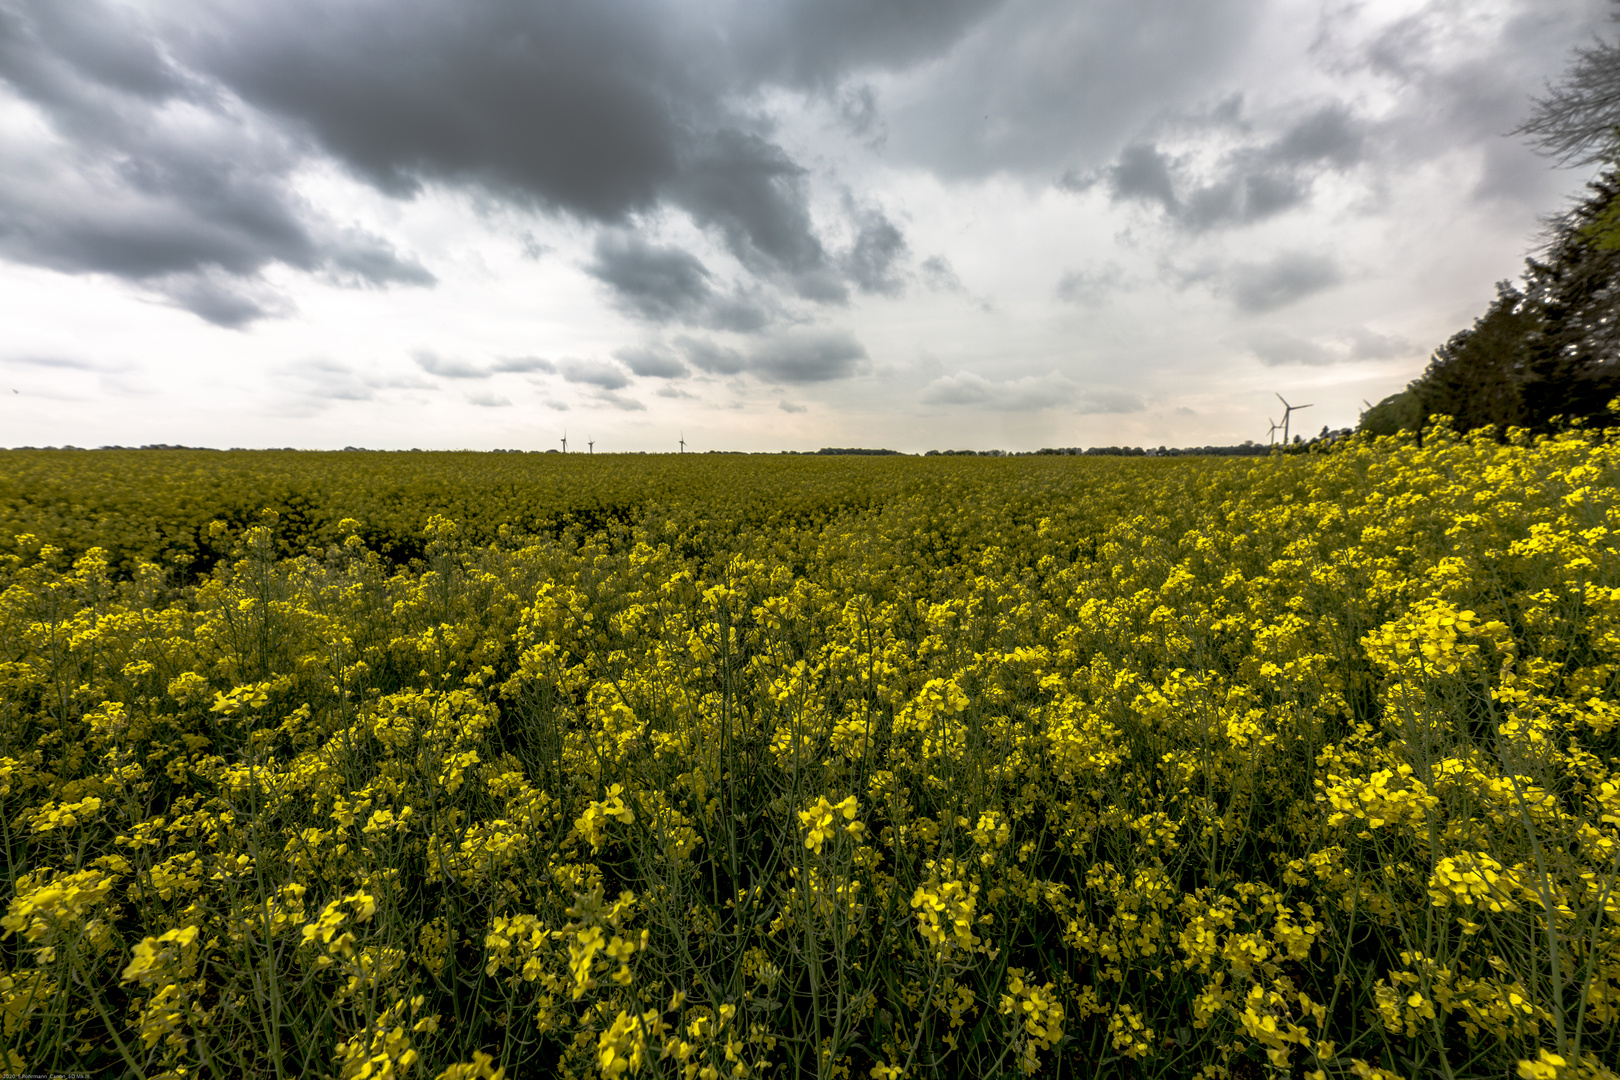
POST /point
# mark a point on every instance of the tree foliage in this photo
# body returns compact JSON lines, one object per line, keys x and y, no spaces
{"x":1545,"y":351}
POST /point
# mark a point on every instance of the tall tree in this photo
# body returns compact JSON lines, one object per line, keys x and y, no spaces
{"x":1572,"y":367}
{"x":1578,"y":122}
{"x":1477,"y":376}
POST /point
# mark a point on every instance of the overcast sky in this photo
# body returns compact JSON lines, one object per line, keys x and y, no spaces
{"x":760,"y":224}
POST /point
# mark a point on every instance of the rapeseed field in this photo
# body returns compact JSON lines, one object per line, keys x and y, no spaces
{"x":457,"y":766}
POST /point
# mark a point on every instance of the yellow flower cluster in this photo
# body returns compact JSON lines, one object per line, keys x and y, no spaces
{"x":459,"y":766}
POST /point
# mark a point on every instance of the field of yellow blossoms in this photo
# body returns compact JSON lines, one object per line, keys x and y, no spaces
{"x":456,"y":765}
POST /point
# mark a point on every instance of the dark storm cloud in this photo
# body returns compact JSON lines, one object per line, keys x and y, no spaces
{"x":660,"y":283}
{"x":749,"y":190}
{"x":601,"y":111}
{"x":151,"y":180}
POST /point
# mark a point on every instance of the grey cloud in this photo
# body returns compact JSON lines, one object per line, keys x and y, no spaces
{"x":1275,"y":348}
{"x":809,"y":357}
{"x":175,"y":200}
{"x":1462,"y":83}
{"x":707,"y":356}
{"x":754,"y":194}
{"x":489,"y":401}
{"x":652,"y":363}
{"x":739,"y":313}
{"x":358,"y":260}
{"x":1038,"y":86}
{"x":1330,"y":133}
{"x":666,"y":284}
{"x":523,"y":364}
{"x":939,"y":275}
{"x":1259,"y":179}
{"x":218,"y":298}
{"x":1240,"y":200}
{"x":619,"y":401}
{"x":60,"y":363}
{"x":813,"y":43}
{"x":871,"y":261}
{"x":661,"y":283}
{"x":1031,"y":393}
{"x":858,"y":111}
{"x":1091,"y":287}
{"x":90,"y":41}
{"x":790,"y":407}
{"x":1368,"y":344}
{"x":434,"y":364}
{"x":596,"y":110}
{"x":319,"y":380}
{"x":802,"y":356}
{"x":1258,"y":287}
{"x":602,"y":111}
{"x":1143,"y":173}
{"x":602,"y":373}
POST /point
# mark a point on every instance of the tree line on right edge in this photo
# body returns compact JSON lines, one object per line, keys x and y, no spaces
{"x":1547,"y":350}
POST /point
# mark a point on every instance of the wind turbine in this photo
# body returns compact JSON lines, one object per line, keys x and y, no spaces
{"x":1288,"y":410}
{"x":591,"y":445}
{"x":1272,"y":434}
{"x":565,"y":440}
{"x":683,"y":442}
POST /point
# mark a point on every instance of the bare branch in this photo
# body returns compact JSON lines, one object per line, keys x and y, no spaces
{"x":1578,"y":122}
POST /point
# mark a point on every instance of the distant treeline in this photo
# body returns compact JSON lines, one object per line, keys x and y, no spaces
{"x":1248,"y":449}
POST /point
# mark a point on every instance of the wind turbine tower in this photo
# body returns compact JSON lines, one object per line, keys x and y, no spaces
{"x":590,"y":445}
{"x":565,"y":441}
{"x":683,"y":442}
{"x":1288,"y":410}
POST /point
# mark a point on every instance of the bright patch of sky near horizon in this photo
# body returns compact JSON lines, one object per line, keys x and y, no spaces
{"x":773,"y":225}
